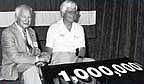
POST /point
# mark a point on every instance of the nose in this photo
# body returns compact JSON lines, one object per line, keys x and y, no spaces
{"x":27,"y":19}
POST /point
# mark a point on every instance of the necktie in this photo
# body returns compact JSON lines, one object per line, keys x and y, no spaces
{"x":26,"y":38}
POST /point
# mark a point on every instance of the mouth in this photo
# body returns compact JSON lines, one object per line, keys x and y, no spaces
{"x":26,"y":23}
{"x":71,"y":18}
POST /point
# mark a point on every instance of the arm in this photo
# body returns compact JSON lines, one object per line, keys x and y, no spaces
{"x":82,"y":52}
{"x":46,"y":55}
{"x":9,"y":49}
{"x":81,"y":44}
{"x":50,"y":40}
{"x":48,"y":50}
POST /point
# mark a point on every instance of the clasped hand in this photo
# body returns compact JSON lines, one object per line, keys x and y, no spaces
{"x":43,"y":58}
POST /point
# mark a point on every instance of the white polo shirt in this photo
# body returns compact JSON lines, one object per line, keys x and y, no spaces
{"x":62,"y":40}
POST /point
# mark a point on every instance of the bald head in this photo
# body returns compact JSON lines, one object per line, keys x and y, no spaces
{"x":68,"y":4}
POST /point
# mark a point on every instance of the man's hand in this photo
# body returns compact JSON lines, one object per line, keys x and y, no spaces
{"x":40,"y":63}
{"x":44,"y":59}
{"x":44,"y":56}
{"x":81,"y":52}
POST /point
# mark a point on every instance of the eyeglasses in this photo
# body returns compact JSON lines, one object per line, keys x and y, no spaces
{"x":71,"y":12}
{"x":23,"y":17}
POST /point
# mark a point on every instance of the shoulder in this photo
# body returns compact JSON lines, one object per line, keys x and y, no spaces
{"x":7,"y":33}
{"x":8,"y":30}
{"x":78,"y":26}
{"x":55,"y":26}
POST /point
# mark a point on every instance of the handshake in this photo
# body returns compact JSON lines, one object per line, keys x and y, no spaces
{"x":42,"y":59}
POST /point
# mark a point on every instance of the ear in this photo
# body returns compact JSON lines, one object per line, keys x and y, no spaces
{"x":16,"y":17}
{"x":62,"y":14}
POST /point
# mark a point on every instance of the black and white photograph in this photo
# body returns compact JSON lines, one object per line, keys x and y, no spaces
{"x":71,"y":41}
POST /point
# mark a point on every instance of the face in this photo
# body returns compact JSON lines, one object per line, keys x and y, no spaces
{"x":24,"y":18}
{"x":70,"y":15}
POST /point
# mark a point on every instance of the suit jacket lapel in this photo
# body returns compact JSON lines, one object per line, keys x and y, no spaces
{"x":20,"y":40}
{"x":31,"y":34}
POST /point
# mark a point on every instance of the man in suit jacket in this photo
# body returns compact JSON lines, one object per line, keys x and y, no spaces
{"x":20,"y":49}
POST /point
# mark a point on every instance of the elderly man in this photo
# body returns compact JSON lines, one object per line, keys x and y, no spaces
{"x":65,"y":38}
{"x":20,"y":49}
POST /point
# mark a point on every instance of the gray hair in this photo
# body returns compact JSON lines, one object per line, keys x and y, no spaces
{"x":19,"y":9}
{"x":67,"y":4}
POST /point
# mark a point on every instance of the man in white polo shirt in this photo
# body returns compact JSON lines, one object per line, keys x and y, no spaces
{"x":65,"y":37}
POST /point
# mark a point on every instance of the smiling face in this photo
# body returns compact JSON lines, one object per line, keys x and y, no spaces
{"x":70,"y":15}
{"x":24,"y":18}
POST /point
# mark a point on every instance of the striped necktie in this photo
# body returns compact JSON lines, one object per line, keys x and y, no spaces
{"x":26,"y":38}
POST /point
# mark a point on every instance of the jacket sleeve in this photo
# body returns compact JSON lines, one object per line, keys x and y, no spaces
{"x":10,"y":50}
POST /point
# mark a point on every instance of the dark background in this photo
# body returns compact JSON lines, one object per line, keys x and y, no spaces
{"x":118,"y":31}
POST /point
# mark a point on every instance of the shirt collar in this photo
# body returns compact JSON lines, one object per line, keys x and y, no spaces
{"x":62,"y":23}
{"x":20,"y":28}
